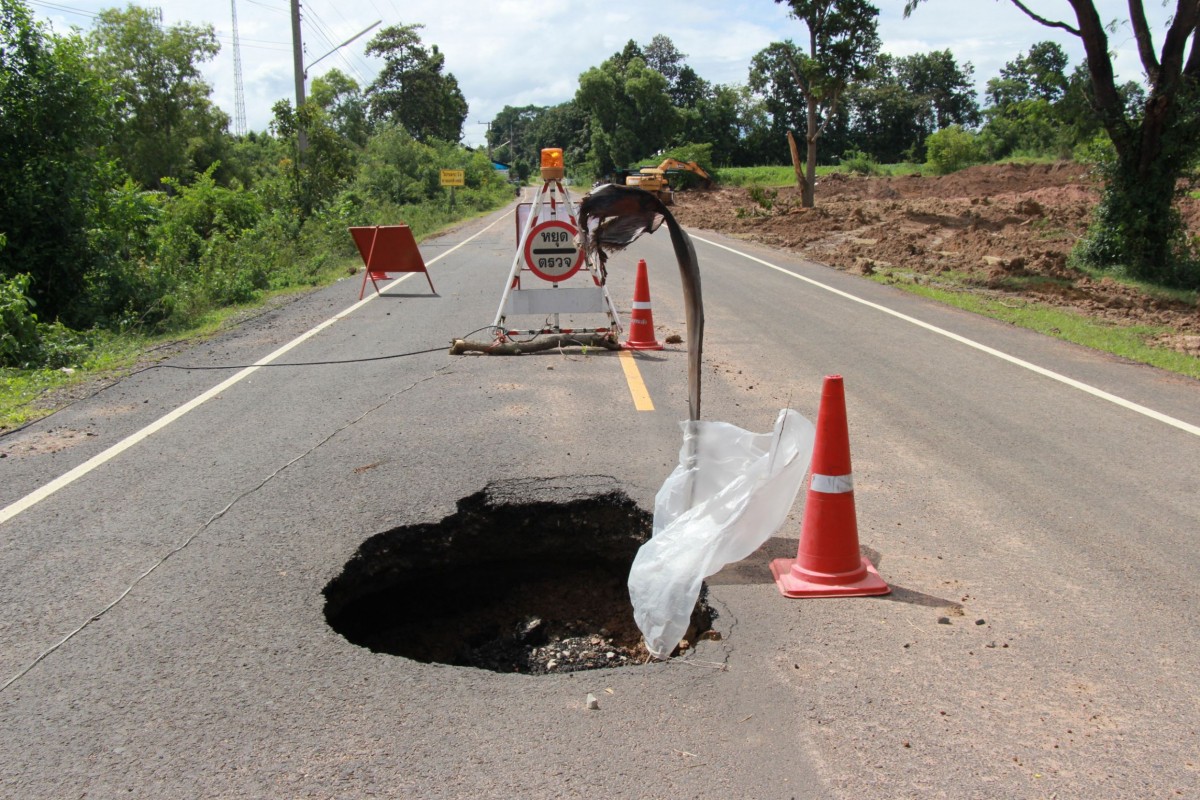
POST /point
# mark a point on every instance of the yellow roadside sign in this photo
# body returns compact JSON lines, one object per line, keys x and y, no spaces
{"x":452,"y":177}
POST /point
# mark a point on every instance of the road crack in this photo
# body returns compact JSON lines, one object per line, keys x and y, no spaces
{"x":97,"y":616}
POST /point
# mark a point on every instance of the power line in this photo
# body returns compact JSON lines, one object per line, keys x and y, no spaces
{"x":323,"y":29}
{"x":68,"y":9}
{"x":280,"y":9}
{"x":279,"y":48}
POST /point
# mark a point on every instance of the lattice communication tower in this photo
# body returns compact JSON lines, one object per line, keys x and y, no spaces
{"x":239,"y":95}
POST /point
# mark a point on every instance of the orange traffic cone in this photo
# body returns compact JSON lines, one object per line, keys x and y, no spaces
{"x":641,"y":321}
{"x":828,"y":562}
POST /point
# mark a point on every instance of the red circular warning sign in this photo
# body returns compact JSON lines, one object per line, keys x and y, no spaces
{"x":551,"y":251}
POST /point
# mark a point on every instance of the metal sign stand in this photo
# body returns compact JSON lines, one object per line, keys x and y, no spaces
{"x":541,"y":251}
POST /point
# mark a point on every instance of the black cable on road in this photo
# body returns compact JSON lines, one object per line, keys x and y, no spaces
{"x":189,"y":368}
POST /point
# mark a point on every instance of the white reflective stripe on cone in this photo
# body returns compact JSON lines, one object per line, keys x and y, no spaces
{"x":832,"y":484}
{"x":639,"y":304}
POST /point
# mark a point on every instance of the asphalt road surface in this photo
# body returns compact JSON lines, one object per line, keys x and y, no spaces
{"x":165,"y":543}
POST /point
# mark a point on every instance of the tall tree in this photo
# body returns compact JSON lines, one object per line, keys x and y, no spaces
{"x":904,"y":100}
{"x":715,"y":120}
{"x":53,"y":125}
{"x":411,"y":89}
{"x":565,"y":125}
{"x":664,"y":57}
{"x":1022,"y":115}
{"x":758,"y":142}
{"x":1038,"y":75}
{"x":945,"y":91}
{"x":1137,"y":225}
{"x":166,"y":125}
{"x":342,"y":100}
{"x":689,"y":88}
{"x":517,"y":135}
{"x":329,"y":161}
{"x":683,"y":84}
{"x":773,"y":78}
{"x":887,"y":120}
{"x":509,"y":137}
{"x":1075,"y":107}
{"x":630,"y":111}
{"x":842,"y":42}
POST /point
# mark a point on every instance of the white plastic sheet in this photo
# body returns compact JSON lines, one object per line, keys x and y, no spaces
{"x":731,"y":491}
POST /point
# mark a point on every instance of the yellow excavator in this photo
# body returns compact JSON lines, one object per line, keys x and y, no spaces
{"x":656,"y":181}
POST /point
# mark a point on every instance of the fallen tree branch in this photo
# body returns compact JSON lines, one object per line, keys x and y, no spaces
{"x":559,"y":340}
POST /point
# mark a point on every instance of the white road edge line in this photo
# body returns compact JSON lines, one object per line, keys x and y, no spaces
{"x":1083,"y":387}
{"x":40,"y":494}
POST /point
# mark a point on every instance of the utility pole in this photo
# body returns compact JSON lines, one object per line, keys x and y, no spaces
{"x":298,"y":65}
{"x":302,"y":71}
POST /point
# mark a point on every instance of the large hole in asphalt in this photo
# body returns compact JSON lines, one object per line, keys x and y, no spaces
{"x":529,"y":575}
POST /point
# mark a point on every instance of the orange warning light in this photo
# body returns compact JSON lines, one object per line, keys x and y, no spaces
{"x":552,"y":163}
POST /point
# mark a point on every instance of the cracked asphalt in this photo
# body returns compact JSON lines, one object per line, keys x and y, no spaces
{"x":163,"y":630}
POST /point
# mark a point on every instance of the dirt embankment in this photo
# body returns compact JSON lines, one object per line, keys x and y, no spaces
{"x":1002,"y":229}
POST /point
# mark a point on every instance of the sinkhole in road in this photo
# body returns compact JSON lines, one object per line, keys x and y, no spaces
{"x":528,"y":575}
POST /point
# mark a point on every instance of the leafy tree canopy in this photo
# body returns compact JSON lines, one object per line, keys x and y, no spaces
{"x":166,"y":125}
{"x":340,"y":97}
{"x":54,"y":124}
{"x":412,"y":90}
{"x":629,"y":109}
{"x":1039,"y":74}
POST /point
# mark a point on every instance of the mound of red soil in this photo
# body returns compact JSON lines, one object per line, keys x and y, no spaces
{"x":1003,"y":229}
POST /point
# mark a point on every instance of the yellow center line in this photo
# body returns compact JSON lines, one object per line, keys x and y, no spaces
{"x":637,"y":388}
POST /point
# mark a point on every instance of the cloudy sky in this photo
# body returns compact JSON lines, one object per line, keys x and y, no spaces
{"x":522,"y":52}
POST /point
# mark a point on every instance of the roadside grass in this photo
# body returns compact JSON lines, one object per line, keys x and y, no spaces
{"x":23,"y":391}
{"x":1029,"y":158}
{"x":1189,"y":296}
{"x":27,"y":395}
{"x":785,"y":176}
{"x":771,"y":176}
{"x":1129,"y":342}
{"x":755,"y":176}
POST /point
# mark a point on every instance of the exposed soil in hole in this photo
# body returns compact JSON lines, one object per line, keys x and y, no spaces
{"x":529,"y":575}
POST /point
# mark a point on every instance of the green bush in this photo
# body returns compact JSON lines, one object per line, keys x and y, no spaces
{"x":24,"y":341}
{"x":164,"y":260}
{"x":763,"y":196}
{"x":1025,"y":127}
{"x":952,"y":149}
{"x":123,"y":282}
{"x":19,"y":339}
{"x":396,"y":168}
{"x":1097,"y":152}
{"x":859,"y":163}
{"x":1120,"y":220}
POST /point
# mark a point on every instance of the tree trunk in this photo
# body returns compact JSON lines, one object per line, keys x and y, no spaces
{"x":541,"y":344}
{"x":1136,"y":224}
{"x":806,"y":198}
{"x":797,"y":166}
